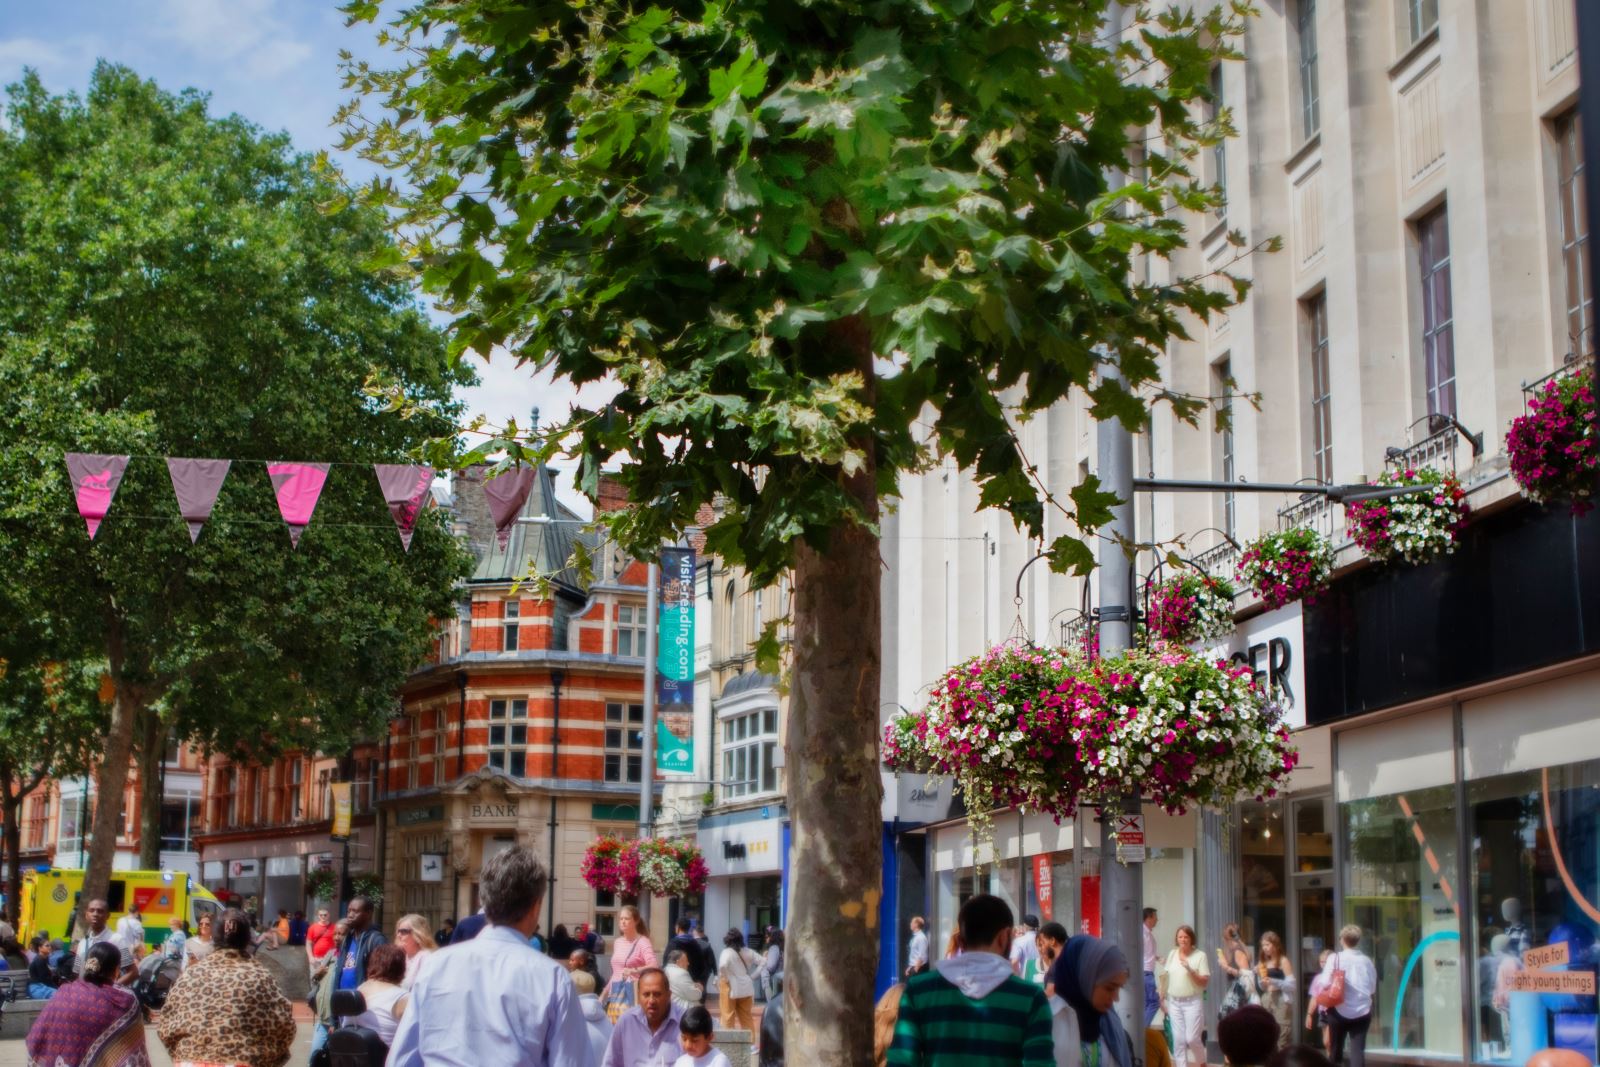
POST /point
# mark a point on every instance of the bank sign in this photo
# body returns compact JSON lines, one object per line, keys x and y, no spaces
{"x":1272,"y":646}
{"x":675,"y":663}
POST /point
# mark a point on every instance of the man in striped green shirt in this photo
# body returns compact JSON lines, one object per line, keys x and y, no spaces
{"x":970,"y":1010}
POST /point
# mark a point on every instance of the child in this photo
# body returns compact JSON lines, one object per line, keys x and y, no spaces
{"x":694,"y":1031}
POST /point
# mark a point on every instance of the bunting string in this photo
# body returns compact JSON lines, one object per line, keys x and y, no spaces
{"x":298,"y":487}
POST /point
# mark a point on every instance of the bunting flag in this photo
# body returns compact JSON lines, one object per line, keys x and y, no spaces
{"x":95,"y":479}
{"x":196,"y":483}
{"x":297,"y":485}
{"x":404,"y":489}
{"x":507,"y":493}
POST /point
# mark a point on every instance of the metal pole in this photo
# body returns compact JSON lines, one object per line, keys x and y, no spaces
{"x":1589,"y":116}
{"x":1121,"y":884}
{"x":647,"y":770}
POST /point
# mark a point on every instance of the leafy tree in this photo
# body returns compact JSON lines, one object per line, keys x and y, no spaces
{"x":817,"y":243}
{"x":170,"y":285}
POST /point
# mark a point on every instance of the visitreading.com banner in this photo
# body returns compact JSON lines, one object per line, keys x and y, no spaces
{"x":675,"y":663}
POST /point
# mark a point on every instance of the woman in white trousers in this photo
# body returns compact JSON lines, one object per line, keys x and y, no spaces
{"x":1188,"y":973}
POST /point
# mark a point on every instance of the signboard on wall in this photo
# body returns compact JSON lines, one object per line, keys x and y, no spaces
{"x":675,"y":663}
{"x":1272,"y":645}
{"x":744,"y":848}
{"x":430,"y":867}
{"x":244,"y":868}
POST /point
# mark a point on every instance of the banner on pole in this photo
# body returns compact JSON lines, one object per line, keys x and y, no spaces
{"x":674,"y":674}
{"x":94,"y":483}
{"x":506,"y":494}
{"x":342,"y":808}
{"x":298,"y":486}
{"x":404,"y":489}
{"x":196,"y":483}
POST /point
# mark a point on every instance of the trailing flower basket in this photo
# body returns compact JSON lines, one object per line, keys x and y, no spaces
{"x":1190,"y":607}
{"x":1287,"y":566}
{"x":1555,"y":448}
{"x":1052,"y":733}
{"x":652,"y":866}
{"x":603,"y":864}
{"x":1415,"y":528}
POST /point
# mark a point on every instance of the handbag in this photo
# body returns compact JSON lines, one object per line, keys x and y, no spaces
{"x":1236,"y":998}
{"x":1332,"y":995}
{"x":620,"y":994}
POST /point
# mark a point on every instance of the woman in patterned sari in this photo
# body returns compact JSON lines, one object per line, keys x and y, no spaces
{"x":90,"y":1022}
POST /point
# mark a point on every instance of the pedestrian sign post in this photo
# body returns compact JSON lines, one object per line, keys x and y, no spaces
{"x":1130,"y":838}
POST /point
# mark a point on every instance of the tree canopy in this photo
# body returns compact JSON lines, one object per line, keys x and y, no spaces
{"x":818,"y":243}
{"x":171,"y":285}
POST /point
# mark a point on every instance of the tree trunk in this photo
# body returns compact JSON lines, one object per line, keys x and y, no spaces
{"x":11,"y":833}
{"x":152,"y":753}
{"x":835,"y":789}
{"x":111,"y":772}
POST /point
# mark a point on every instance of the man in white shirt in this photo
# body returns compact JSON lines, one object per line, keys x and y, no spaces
{"x":917,"y":955}
{"x":496,"y":1000}
{"x":1352,"y":1017}
{"x":1152,"y":995}
{"x":95,"y":914}
{"x":1025,"y":947}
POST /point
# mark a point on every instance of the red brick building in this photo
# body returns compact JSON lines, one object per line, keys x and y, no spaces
{"x":527,"y":726}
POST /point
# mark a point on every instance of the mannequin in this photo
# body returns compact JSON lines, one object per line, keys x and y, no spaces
{"x":1516,"y":932}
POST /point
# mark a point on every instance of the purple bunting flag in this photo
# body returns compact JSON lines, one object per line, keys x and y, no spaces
{"x":507,"y":493}
{"x":404,"y":489}
{"x":298,"y":486}
{"x":95,"y":479}
{"x":196,"y":483}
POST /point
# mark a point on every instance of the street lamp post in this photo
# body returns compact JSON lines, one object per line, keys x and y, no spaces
{"x":647,"y":770}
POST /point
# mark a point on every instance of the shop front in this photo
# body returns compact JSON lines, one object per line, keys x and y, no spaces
{"x":1464,"y":700}
{"x":744,"y":853}
{"x":269,"y":874}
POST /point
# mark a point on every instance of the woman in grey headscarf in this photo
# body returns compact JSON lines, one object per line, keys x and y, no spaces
{"x":1088,"y":975}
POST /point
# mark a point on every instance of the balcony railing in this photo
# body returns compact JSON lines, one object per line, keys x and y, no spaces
{"x":1439,"y":450}
{"x":1317,"y":513}
{"x":1219,"y":561}
{"x":1571,"y":364}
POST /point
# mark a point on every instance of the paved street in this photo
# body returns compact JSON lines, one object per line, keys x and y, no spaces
{"x":14,"y":1053}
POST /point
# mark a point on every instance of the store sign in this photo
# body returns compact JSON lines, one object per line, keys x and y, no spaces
{"x":489,"y":812}
{"x":746,"y":848}
{"x":244,"y":868}
{"x":1272,"y":646}
{"x":675,"y":663}
{"x":430,"y":867}
{"x":413,"y":816}
{"x":1043,"y":886}
{"x":319,"y":861}
{"x":924,"y":798}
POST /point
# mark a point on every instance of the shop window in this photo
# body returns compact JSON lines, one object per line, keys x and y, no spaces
{"x":624,"y":752}
{"x":749,"y":753}
{"x":1400,"y":888}
{"x":1263,"y":874}
{"x":630,"y":631}
{"x":508,"y":736}
{"x":1536,"y":883}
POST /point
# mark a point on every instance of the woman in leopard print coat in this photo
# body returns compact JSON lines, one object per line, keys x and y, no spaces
{"x":227,"y":1007}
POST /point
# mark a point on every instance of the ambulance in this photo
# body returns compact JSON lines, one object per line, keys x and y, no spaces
{"x":50,"y":901}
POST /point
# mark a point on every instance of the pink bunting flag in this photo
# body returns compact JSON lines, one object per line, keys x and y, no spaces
{"x":298,"y":485}
{"x":95,"y":479}
{"x":507,"y":493}
{"x":404,"y":489}
{"x":196,"y":483}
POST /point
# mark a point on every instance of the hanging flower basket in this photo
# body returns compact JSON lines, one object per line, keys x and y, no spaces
{"x":1052,"y":733}
{"x":654,"y":866}
{"x":1287,"y":566}
{"x":1555,"y":447}
{"x":1001,"y":725}
{"x":1416,"y":528}
{"x":369,"y":886}
{"x":1190,"y":607}
{"x":1185,"y":731}
{"x":603,"y":864}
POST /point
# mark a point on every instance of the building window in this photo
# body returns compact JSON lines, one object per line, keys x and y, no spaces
{"x":624,"y":754}
{"x":1316,"y":319}
{"x":74,"y":823}
{"x":414,"y":752}
{"x":440,"y":726}
{"x":365,"y":793}
{"x":511,"y":624}
{"x":749,"y":747}
{"x":1306,"y":27}
{"x":1223,"y":374}
{"x":630,"y":631}
{"x":1219,"y":151}
{"x":324,"y":794}
{"x":1574,"y":218}
{"x":259,"y":794}
{"x":297,"y":770}
{"x":38,"y":820}
{"x":1421,"y":17}
{"x":179,"y":814}
{"x":508,"y":736}
{"x":230,"y":797}
{"x":1438,"y":338}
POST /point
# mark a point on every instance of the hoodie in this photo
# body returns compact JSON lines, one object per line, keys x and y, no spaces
{"x":599,"y":1024}
{"x":976,"y":974}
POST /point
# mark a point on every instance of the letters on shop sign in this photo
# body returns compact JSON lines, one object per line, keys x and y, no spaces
{"x":494,"y":811}
{"x":1275,"y":673}
{"x":1536,"y":959}
{"x":1578,"y":983}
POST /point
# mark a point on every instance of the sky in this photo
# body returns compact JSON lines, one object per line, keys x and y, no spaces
{"x":274,"y":62}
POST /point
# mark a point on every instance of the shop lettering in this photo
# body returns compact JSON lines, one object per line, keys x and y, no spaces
{"x":1279,"y":656}
{"x":733,"y":850}
{"x":1537,"y":959}
{"x":925,"y":794}
{"x":1577,"y":983}
{"x":494,"y":811}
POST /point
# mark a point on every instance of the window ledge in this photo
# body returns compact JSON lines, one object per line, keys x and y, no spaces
{"x":1311,"y":147}
{"x":1408,"y":58}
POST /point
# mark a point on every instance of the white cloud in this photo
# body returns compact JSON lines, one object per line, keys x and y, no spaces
{"x":244,"y":32}
{"x":61,"y":62}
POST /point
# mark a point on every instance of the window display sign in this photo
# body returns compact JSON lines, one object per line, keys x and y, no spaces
{"x":1044,"y":886}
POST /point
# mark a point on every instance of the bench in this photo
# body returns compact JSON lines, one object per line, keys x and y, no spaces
{"x":16,"y":1016}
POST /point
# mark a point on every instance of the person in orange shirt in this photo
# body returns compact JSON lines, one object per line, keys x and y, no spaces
{"x":281,"y":927}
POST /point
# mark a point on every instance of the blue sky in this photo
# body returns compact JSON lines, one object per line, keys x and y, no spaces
{"x":275,"y":62}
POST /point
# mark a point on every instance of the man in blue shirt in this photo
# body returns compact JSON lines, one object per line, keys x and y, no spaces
{"x":494,"y":1001}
